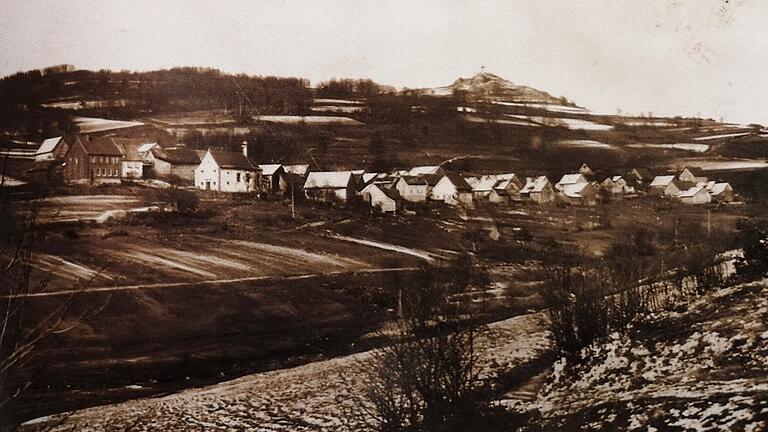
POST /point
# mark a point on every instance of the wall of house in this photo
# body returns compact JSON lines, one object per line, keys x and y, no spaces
{"x":163,"y":168}
{"x":132,"y":169}
{"x":412,"y":193}
{"x":328,"y":195}
{"x":207,"y":174}
{"x":702,"y":197}
{"x":84,"y":168}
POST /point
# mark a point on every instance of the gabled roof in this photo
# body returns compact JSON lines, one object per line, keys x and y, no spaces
{"x":392,"y":194}
{"x":719,"y":188}
{"x":482,"y":184}
{"x":426,"y":169}
{"x":415,"y":180}
{"x":533,"y":185}
{"x":571,"y":179}
{"x":103,"y":146}
{"x":177,"y":156}
{"x":48,"y":145}
{"x":129,"y":147}
{"x":641,"y":173}
{"x":574,"y":190}
{"x":147,"y":147}
{"x":232,"y":160}
{"x":269,"y":169}
{"x":662,"y":181}
{"x":616,"y":178}
{"x":328,"y":180}
{"x":296,"y":169}
{"x":458,"y":182}
{"x":691,"y":192}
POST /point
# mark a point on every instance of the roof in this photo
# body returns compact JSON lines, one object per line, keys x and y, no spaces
{"x":101,"y":146}
{"x":48,"y":145}
{"x":231,"y":160}
{"x":534,"y":184}
{"x":719,"y":188}
{"x":146,"y":147}
{"x":269,"y":169}
{"x":643,"y":173}
{"x":482,"y":184}
{"x":574,"y":190}
{"x":571,"y":179}
{"x":426,"y":169}
{"x":415,"y":180}
{"x":296,"y":169}
{"x":458,"y":182}
{"x":615,"y":178}
{"x":664,"y":180}
{"x":691,"y":192}
{"x":177,"y":156}
{"x":392,"y":194}
{"x":129,"y":147}
{"x":328,"y":180}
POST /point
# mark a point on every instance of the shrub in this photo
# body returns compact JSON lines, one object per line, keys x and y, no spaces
{"x":754,"y":262}
{"x":181,"y":200}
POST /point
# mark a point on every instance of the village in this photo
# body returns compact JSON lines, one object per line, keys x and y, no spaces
{"x":111,"y":159}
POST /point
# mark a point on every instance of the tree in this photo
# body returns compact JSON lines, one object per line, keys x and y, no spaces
{"x":377,"y":150}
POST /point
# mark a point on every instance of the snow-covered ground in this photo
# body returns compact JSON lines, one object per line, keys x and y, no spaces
{"x":721,"y":136}
{"x":312,"y":397}
{"x":92,"y":124}
{"x":583,"y":143}
{"x":555,"y":108}
{"x":295,"y":119}
{"x":702,"y":367}
{"x":723,"y":165}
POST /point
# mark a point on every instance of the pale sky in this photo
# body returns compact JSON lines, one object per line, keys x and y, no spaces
{"x":669,"y":57}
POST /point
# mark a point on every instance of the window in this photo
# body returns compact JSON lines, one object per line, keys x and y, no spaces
{"x":238,"y":177}
{"x":93,"y":159}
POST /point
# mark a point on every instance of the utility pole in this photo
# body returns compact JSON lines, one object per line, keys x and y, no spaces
{"x":293,"y":202}
{"x":709,"y":223}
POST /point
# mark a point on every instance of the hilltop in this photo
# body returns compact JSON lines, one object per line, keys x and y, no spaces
{"x":487,"y":86}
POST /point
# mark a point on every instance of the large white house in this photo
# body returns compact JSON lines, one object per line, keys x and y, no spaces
{"x":453,"y":190}
{"x":337,"y":187}
{"x":225,"y":171}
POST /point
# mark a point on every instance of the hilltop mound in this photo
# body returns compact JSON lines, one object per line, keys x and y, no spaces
{"x":705,"y":368}
{"x":488,"y":86}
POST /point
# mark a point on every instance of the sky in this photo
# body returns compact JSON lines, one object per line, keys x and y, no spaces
{"x":668,"y":57}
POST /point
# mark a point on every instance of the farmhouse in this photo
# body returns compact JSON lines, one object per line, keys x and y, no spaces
{"x":383,"y":199}
{"x":453,"y":190}
{"x":579,"y":193}
{"x":508,"y":187}
{"x":133,"y":162}
{"x":638,"y":178}
{"x":273,"y":179}
{"x":413,"y":189}
{"x":695,"y":195}
{"x":570,"y":179}
{"x":180,"y":162}
{"x":483,"y":188}
{"x":300,"y":170}
{"x":52,"y":149}
{"x":720,"y":192}
{"x":225,"y":171}
{"x":335,"y":187}
{"x":93,"y":161}
{"x":667,"y":185}
{"x":616,"y":185}
{"x":538,"y":190}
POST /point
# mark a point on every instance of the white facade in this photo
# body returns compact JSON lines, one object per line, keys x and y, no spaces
{"x":132,"y":169}
{"x":416,"y":191}
{"x":209,"y":176}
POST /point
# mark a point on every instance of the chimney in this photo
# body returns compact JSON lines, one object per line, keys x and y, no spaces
{"x":245,"y":148}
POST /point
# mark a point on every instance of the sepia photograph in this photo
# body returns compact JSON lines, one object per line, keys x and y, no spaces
{"x":383,"y":216}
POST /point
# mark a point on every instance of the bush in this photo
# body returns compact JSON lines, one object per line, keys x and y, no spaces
{"x":754,"y":262}
{"x":182,"y":201}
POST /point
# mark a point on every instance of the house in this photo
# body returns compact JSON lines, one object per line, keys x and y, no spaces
{"x":179,"y":161}
{"x":413,"y":189}
{"x":453,"y":190}
{"x":508,"y":187}
{"x":133,"y":160}
{"x":335,"y":187}
{"x":695,"y":195}
{"x":721,"y":192}
{"x":579,"y":193}
{"x":570,"y":179}
{"x":93,"y":161}
{"x":692,"y":175}
{"x":52,"y":149}
{"x":226,"y":171}
{"x":273,"y":179}
{"x":483,"y":188}
{"x":538,"y":190}
{"x":585,"y":170}
{"x":638,"y":178}
{"x":667,"y":185}
{"x":384,"y":199}
{"x":616,"y":185}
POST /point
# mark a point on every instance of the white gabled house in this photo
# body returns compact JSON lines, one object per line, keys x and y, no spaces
{"x":380,"y":198}
{"x":538,"y":190}
{"x":666,"y":185}
{"x":412,"y":189}
{"x":273,"y":178}
{"x":426,"y":170}
{"x":616,"y":185}
{"x":453,"y":190}
{"x":695,"y":195}
{"x":52,"y":148}
{"x":720,"y":191}
{"x":335,"y":187}
{"x":225,"y":171}
{"x":569,"y":180}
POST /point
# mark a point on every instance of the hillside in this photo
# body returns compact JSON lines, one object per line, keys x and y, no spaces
{"x":701,"y":368}
{"x":487,"y":86}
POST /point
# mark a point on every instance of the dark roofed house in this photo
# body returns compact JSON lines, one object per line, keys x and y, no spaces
{"x":133,"y":163}
{"x":226,"y":171}
{"x":93,"y":160}
{"x":180,"y":162}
